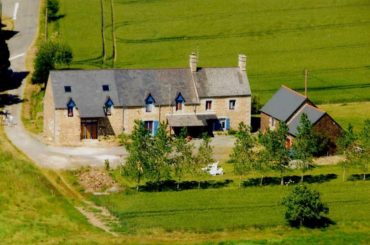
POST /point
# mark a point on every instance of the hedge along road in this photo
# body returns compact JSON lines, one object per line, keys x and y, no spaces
{"x":55,"y":157}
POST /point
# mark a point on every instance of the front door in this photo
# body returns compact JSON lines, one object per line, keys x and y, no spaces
{"x":89,"y":129}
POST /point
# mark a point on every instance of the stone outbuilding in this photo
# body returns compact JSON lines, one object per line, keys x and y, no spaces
{"x":88,"y":104}
{"x":287,"y":106}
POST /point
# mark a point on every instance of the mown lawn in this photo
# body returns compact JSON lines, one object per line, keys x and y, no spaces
{"x":230,"y":209}
{"x":281,"y":38}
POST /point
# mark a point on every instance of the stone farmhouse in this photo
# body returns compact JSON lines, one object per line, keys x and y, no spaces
{"x":287,"y":106}
{"x":87,"y":104}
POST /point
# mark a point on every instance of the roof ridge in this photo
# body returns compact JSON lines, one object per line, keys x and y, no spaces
{"x":292,"y":90}
{"x":144,"y":69}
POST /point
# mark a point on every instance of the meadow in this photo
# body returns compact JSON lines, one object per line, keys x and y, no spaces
{"x":248,"y":210}
{"x":281,"y":39}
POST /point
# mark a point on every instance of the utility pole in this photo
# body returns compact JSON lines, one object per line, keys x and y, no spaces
{"x":305,"y":82}
{"x":46,"y":22}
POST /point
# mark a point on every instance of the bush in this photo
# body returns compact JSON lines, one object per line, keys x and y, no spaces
{"x":49,"y":55}
{"x":304,"y":208}
{"x":53,"y":8}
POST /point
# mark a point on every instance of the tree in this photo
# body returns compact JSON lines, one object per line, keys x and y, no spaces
{"x":304,"y":207}
{"x":363,"y":150}
{"x":4,"y":55}
{"x":277,"y":153}
{"x":203,"y":157}
{"x":137,"y":145}
{"x":261,"y":163}
{"x":347,"y":144}
{"x":304,"y":145}
{"x":159,"y":155}
{"x":183,"y":156}
{"x":50,"y":54}
{"x":243,"y":155}
{"x":52,"y":9}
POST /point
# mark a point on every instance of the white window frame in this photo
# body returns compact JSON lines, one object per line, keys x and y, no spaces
{"x":233,"y":109}
{"x":205,"y":105}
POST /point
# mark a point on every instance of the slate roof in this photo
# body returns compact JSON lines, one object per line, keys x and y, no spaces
{"x":190,"y":120}
{"x":283,"y":104}
{"x":222,"y":82}
{"x":313,"y":114}
{"x":130,"y":87}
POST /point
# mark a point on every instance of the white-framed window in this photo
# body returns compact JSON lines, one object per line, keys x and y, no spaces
{"x":208,"y":105}
{"x":232,"y":104}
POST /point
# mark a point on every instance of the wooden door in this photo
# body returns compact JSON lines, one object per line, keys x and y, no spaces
{"x":89,"y":129}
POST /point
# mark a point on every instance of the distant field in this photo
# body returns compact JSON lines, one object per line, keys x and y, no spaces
{"x":280,"y":37}
{"x":344,"y":114}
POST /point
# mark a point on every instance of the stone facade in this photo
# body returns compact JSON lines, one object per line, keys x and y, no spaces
{"x":64,"y":130}
{"x":266,"y":122}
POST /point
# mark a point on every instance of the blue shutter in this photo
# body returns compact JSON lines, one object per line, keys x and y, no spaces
{"x":217,"y":125}
{"x":155,"y":127}
{"x":227,"y":123}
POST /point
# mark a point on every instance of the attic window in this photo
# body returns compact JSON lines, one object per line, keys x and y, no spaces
{"x":105,"y":88}
{"x":67,"y":89}
{"x":108,"y":107}
{"x":70,"y":105}
{"x":149,"y":103}
{"x":179,"y":102}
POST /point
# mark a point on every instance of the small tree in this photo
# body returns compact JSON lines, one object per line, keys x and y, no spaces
{"x":243,"y":155}
{"x":50,"y":54}
{"x":261,"y":164}
{"x":183,"y":156}
{"x":304,"y":145}
{"x":52,"y":9}
{"x":277,"y":153}
{"x":203,"y":157}
{"x":159,"y":155}
{"x":363,"y":150}
{"x":137,"y":145}
{"x":347,"y":144}
{"x":304,"y":207}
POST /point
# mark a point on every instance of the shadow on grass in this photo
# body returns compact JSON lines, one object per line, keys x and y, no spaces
{"x":294,"y":179}
{"x":356,"y":177}
{"x":322,"y":222}
{"x":171,"y":185}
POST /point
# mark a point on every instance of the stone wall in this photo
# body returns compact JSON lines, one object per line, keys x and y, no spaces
{"x":67,"y":129}
{"x":220,"y":106}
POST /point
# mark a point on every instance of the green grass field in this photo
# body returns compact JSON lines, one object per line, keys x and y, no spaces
{"x":256,"y":209}
{"x":344,"y":114}
{"x":281,"y":38}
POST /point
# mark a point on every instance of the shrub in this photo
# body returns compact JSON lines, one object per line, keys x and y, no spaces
{"x":304,"y":208}
{"x":49,"y":55}
{"x":53,"y":8}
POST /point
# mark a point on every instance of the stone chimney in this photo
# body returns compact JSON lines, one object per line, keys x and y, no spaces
{"x":242,"y":62}
{"x":193,"y":62}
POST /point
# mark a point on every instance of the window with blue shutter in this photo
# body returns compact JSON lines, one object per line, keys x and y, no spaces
{"x":155,"y":127}
{"x":179,"y":102}
{"x":108,"y":107}
{"x":227,"y":124}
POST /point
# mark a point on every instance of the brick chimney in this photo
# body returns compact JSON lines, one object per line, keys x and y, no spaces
{"x":242,"y":62}
{"x":193,"y":62}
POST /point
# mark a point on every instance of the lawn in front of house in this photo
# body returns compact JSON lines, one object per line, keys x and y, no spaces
{"x":231,"y":208}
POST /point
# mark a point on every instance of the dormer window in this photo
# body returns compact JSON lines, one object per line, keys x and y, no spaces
{"x":67,"y":89}
{"x":70,"y":105}
{"x":179,"y":102}
{"x":105,"y":88}
{"x":149,"y":103}
{"x":108,"y":107}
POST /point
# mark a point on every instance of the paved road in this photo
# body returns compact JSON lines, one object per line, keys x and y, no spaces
{"x":26,"y":21}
